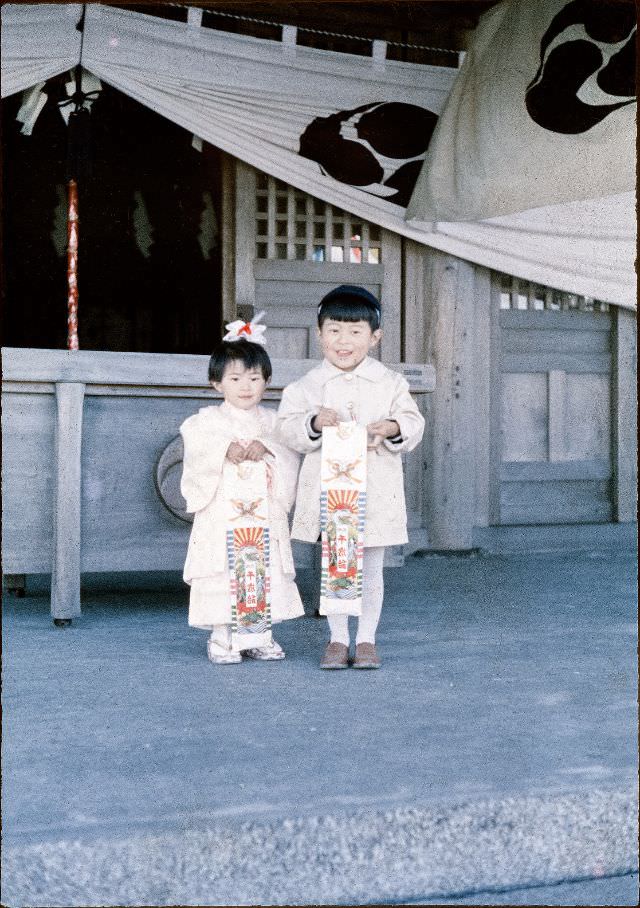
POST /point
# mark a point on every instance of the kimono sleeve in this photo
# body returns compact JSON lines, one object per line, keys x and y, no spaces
{"x":294,"y":414}
{"x":205,"y":448}
{"x":285,"y":463}
{"x":405,"y":412}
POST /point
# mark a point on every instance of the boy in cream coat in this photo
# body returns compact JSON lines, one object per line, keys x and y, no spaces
{"x":349,"y":384}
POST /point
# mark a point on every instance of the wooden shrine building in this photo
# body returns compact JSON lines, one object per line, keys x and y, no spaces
{"x":528,"y":391}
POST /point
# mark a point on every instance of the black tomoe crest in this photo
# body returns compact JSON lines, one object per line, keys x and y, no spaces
{"x":377,"y":147}
{"x":587,"y":60}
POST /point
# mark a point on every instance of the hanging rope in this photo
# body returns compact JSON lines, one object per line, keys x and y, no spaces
{"x":316,"y":31}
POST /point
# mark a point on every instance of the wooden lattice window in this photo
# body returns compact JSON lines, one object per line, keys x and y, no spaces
{"x":517,"y":293}
{"x":292,"y":225}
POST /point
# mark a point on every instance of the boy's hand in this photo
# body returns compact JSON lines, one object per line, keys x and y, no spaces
{"x":325,"y":417}
{"x":255,"y":451}
{"x":236,"y":452}
{"x":384,"y":428}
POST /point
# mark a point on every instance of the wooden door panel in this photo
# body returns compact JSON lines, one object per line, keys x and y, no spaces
{"x":576,"y":501}
{"x":298,"y":274}
{"x":290,"y":343}
{"x":561,"y":471}
{"x":525,"y":417}
{"x":534,"y":361}
{"x":292,"y":249}
{"x":289,"y":293}
{"x":554,"y":388}
{"x":587,"y":417}
{"x":545,"y":341}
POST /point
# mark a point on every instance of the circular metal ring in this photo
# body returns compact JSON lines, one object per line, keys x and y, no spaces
{"x":167,"y":479}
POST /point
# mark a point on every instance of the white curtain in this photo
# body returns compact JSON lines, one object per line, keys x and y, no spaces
{"x":349,"y":130}
{"x":587,"y":247}
{"x":38,"y":41}
{"x":256,"y":99}
{"x":543,"y":112}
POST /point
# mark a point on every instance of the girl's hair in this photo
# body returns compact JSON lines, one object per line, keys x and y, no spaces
{"x":350,"y":303}
{"x":253,"y":356}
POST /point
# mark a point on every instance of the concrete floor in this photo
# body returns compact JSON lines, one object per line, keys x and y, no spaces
{"x":496,"y":747}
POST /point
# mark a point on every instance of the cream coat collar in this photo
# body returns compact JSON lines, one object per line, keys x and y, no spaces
{"x":369,"y":369}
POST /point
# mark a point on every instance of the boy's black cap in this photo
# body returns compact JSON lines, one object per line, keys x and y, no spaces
{"x":351,"y":290}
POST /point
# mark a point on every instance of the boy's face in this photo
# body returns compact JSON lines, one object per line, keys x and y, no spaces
{"x":346,"y":344}
{"x":242,"y":387}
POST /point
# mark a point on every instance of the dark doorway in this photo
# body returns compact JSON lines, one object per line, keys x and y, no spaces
{"x":149,"y":262}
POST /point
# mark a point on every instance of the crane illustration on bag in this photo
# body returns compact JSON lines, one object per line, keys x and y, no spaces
{"x":342,"y":470}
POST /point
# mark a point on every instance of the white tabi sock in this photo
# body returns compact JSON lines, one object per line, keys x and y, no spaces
{"x":221,"y":634}
{"x":339,"y":627}
{"x":372,"y":594}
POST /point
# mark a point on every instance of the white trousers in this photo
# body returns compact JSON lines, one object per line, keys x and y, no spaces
{"x":372,"y":594}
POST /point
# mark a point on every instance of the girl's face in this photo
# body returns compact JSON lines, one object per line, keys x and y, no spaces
{"x":346,"y":344}
{"x":242,"y":388}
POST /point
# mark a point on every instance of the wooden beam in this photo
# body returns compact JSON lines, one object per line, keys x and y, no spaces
{"x":39,"y":371}
{"x":381,"y":19}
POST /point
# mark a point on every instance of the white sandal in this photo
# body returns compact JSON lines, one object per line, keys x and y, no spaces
{"x":272,"y":652}
{"x":221,"y":655}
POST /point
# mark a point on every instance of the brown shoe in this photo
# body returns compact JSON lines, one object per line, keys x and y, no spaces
{"x":336,"y":655}
{"x":366,"y":656}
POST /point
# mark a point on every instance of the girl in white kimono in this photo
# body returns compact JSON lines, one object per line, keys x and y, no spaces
{"x":238,"y":430}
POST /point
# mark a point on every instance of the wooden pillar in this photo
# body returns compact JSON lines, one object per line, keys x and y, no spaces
{"x":65,"y":574}
{"x":413,"y":309}
{"x":245,"y":239}
{"x":624,"y":400}
{"x":228,"y":239}
{"x":449,"y":453}
{"x":390,"y":345}
{"x":485,"y":359}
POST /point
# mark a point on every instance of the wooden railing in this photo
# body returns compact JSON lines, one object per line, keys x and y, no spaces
{"x":83,"y":433}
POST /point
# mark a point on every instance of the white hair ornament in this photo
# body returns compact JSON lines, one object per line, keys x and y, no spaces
{"x":251,"y":331}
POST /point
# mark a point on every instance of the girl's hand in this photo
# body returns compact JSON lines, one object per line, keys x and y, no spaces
{"x":236,"y":452}
{"x":255,"y":451}
{"x":384,"y":428}
{"x":325,"y":417}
